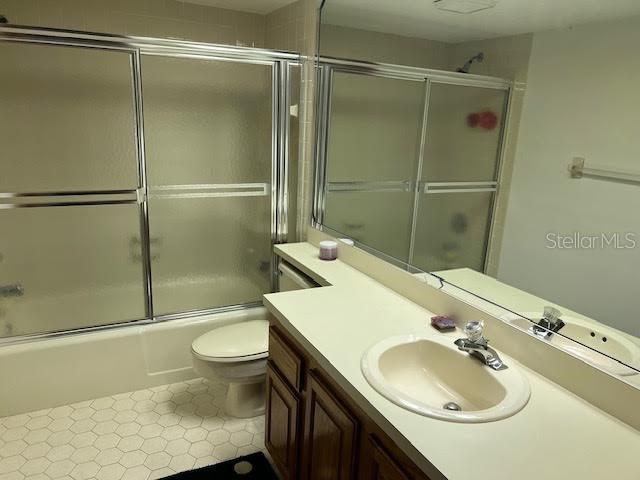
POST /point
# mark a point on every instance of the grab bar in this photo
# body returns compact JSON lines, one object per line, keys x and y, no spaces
{"x":16,"y":290}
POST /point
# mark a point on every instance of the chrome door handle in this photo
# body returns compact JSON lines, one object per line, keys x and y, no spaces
{"x":16,"y":290}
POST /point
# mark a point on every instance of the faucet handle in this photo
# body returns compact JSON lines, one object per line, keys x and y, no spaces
{"x":474,"y":330}
{"x":551,"y":314}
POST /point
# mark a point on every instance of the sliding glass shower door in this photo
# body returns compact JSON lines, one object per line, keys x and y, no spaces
{"x":459,"y":177}
{"x":68,"y":203}
{"x":140,"y":181}
{"x":208,"y":130}
{"x":373,"y":141}
{"x":408,"y":161}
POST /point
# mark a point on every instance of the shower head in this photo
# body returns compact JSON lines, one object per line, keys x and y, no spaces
{"x":478,"y":57}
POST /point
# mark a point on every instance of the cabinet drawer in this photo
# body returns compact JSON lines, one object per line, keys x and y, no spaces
{"x":286,"y":360}
{"x":282,"y":410}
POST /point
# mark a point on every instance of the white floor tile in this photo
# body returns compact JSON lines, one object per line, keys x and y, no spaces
{"x":140,"y":435}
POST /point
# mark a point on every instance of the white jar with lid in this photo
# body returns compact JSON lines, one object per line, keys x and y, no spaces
{"x":328,"y":250}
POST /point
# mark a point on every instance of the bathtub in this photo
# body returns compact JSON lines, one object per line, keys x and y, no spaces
{"x":62,"y":370}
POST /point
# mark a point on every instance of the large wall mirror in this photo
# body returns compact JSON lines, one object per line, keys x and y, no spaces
{"x":494,"y":144}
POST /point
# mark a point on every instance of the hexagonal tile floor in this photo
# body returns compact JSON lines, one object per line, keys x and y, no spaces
{"x":145,"y":434}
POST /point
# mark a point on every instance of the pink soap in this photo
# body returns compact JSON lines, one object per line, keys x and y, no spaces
{"x":444,"y":323}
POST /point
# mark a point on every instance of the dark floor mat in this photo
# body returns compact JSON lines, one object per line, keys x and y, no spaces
{"x":250,"y":467}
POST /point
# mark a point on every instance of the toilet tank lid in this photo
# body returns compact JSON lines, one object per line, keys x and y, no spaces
{"x":236,"y":340}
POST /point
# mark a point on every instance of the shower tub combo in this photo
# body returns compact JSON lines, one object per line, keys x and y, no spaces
{"x":144,"y":184}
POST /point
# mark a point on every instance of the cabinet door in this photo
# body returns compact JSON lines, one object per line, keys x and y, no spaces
{"x":330,"y":435}
{"x":381,"y":466}
{"x":281,"y":430}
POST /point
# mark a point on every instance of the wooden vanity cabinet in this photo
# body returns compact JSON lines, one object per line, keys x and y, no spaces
{"x":330,"y":435}
{"x":282,"y":406}
{"x":314,"y":431}
{"x":380,"y":464}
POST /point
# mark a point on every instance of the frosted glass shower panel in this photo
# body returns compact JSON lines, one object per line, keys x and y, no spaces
{"x":464,"y":127}
{"x":209,"y":252}
{"x":373,"y":145}
{"x":208,"y":130}
{"x":380,"y":220}
{"x":207,"y":121}
{"x":67,"y":119}
{"x":71,"y":266}
{"x":452,"y":231}
{"x":374,"y":128}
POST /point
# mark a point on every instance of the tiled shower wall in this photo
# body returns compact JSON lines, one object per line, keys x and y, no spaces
{"x":295,"y":27}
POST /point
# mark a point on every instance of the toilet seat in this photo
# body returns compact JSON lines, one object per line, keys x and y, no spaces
{"x":239,"y":342}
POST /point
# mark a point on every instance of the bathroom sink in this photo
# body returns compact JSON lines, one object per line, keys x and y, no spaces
{"x":591,"y":336}
{"x":430,"y":376}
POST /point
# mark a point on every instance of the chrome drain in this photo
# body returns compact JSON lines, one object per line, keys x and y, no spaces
{"x":452,"y":406}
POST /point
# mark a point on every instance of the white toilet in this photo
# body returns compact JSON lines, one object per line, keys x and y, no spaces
{"x":237,"y":354}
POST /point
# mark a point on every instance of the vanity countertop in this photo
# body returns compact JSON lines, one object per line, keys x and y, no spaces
{"x":556,"y":436}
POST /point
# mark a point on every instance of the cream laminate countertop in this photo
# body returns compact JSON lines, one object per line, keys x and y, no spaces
{"x":556,"y":436}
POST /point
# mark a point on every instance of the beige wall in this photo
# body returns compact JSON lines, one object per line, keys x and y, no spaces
{"x":582,"y":100}
{"x":288,"y":27}
{"x":344,"y":42}
{"x":505,"y":57}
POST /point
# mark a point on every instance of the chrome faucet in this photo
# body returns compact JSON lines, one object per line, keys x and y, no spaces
{"x":11,"y":290}
{"x":549,"y":324}
{"x":477,"y":346}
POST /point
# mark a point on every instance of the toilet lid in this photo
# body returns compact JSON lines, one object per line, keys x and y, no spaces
{"x":245,"y":339}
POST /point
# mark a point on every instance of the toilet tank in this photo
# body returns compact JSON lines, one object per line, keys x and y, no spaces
{"x":290,"y":278}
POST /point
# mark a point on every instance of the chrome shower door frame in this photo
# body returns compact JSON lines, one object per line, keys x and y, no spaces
{"x":327,"y":66}
{"x":136,"y":47}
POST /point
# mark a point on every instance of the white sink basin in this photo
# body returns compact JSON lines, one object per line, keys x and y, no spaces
{"x":594,"y":335}
{"x":423,"y":374}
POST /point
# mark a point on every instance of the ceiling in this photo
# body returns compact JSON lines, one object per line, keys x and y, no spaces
{"x":254,"y":6}
{"x":422,"y":19}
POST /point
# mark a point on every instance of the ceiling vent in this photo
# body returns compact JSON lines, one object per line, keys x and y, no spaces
{"x":464,"y":6}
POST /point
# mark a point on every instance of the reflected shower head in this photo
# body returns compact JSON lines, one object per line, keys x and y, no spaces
{"x":478,"y":57}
